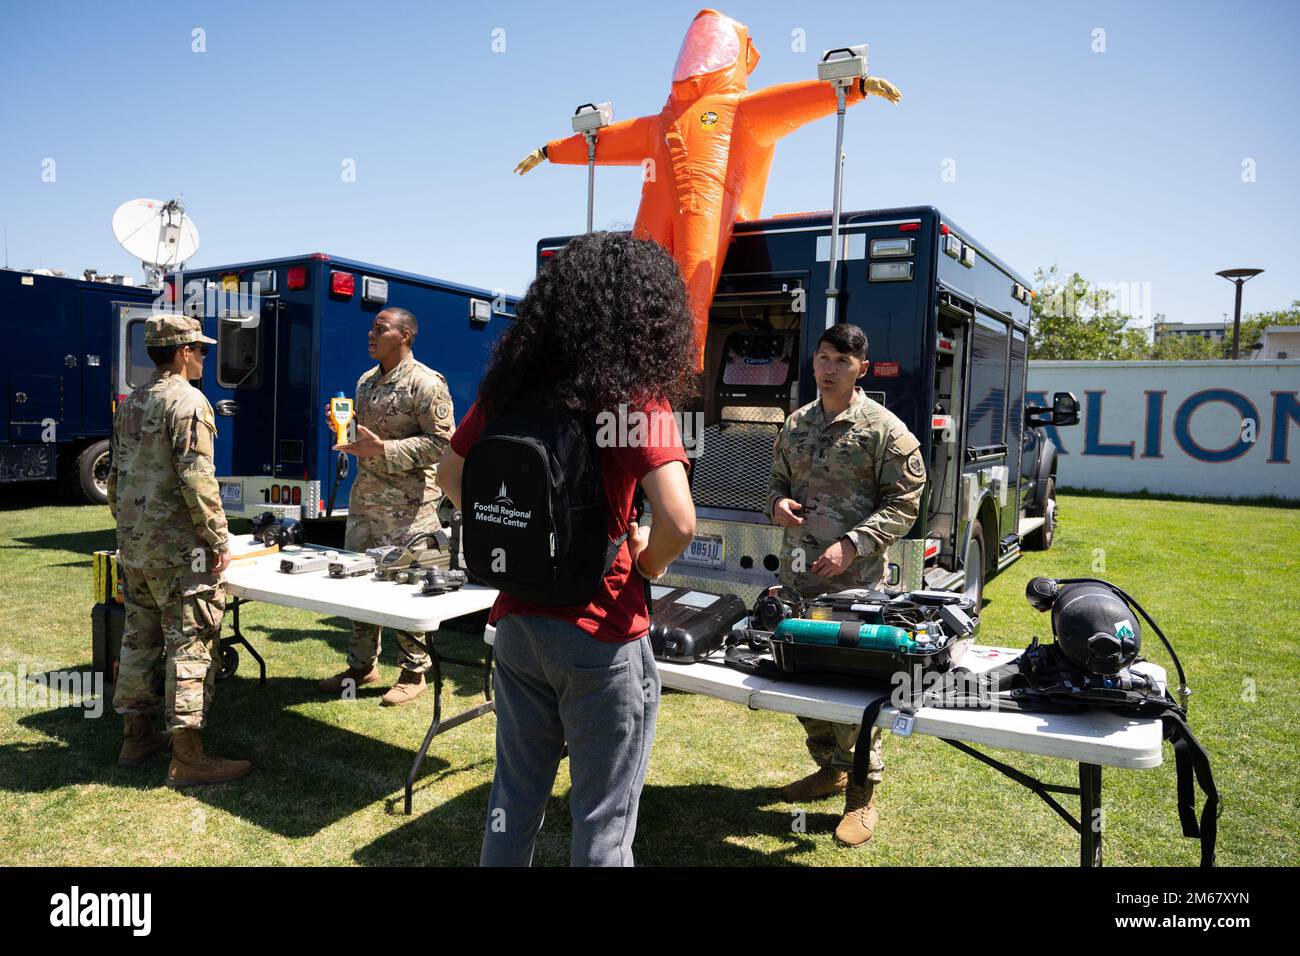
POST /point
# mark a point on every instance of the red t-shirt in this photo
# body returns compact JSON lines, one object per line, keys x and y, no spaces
{"x":617,"y":613}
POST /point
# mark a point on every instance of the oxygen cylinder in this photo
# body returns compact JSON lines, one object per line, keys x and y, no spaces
{"x":868,"y":637}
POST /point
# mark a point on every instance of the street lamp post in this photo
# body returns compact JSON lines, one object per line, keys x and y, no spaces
{"x":1238,"y":277}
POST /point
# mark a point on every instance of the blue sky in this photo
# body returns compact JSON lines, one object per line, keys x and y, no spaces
{"x":1126,"y":165}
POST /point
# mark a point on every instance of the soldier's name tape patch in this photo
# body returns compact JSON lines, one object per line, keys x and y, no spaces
{"x":915,"y":467}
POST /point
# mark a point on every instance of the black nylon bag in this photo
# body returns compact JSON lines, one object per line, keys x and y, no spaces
{"x":534,"y":509}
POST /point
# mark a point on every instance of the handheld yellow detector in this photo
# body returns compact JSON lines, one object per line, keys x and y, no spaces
{"x":342,"y":419}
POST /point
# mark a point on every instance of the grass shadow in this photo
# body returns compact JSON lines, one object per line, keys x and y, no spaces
{"x":78,"y":542}
{"x":308,"y":773}
{"x":39,"y":494}
{"x":689,"y":825}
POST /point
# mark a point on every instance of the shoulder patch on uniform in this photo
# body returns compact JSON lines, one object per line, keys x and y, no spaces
{"x":901,"y":441}
{"x":915,"y":467}
{"x":442,"y":410}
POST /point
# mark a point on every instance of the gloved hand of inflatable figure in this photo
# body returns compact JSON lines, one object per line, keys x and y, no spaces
{"x":876,"y":86}
{"x":532,"y":159}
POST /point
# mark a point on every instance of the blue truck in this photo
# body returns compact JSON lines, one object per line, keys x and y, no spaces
{"x":947,"y":324}
{"x":58,"y":336}
{"x":290,"y":334}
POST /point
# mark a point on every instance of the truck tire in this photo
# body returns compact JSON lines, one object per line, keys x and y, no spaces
{"x":91,"y":471}
{"x":974,"y":567}
{"x":1041,"y":540}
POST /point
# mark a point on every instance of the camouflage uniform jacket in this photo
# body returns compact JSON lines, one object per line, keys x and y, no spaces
{"x":859,"y":475}
{"x":410,"y":409}
{"x":162,"y":487}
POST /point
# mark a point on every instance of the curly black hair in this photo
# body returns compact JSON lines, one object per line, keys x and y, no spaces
{"x":606,"y":321}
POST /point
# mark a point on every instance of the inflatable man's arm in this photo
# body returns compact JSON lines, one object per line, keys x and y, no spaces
{"x":778,"y":110}
{"x":626,"y":143}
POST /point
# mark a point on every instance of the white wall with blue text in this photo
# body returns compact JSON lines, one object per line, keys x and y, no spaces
{"x":1219,"y":428}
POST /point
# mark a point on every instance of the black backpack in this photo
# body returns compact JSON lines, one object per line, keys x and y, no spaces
{"x":533,"y":506}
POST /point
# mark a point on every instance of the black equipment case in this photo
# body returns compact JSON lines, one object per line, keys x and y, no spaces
{"x":687,"y":626}
{"x":949,"y":617}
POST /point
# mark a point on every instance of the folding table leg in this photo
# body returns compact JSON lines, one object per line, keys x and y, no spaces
{"x":237,"y":637}
{"x":439,"y":725}
{"x":1088,"y":825}
{"x":433,"y":726}
{"x":1090,"y":815}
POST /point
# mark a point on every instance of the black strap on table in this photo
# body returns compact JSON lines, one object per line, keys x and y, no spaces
{"x":1191,"y":762}
{"x":870,"y":714}
{"x":1191,"y":759}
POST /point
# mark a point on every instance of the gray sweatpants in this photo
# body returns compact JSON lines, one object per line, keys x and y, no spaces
{"x":556,"y":684}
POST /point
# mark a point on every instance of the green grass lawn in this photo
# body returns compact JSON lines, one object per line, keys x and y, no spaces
{"x":1222,"y":580}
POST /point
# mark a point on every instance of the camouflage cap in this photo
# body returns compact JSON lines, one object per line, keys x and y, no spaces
{"x":170,"y":329}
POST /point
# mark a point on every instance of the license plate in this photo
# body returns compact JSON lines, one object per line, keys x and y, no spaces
{"x":232,"y":494}
{"x":705,"y":549}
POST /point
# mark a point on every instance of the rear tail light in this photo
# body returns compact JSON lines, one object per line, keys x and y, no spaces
{"x":374,"y":291}
{"x":890,"y":271}
{"x":296,"y":277}
{"x":275,"y":494}
{"x":297,"y":495}
{"x":910,"y":227}
{"x":342,"y":284}
{"x":264,"y":280}
{"x":892,"y":248}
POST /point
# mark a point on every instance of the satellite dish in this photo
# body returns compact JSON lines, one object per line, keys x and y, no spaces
{"x":157,"y":233}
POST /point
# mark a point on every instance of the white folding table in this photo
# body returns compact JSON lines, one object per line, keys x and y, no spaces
{"x":1092,"y":739}
{"x":399,"y":606}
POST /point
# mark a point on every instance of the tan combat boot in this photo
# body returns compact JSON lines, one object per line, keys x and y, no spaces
{"x":334,"y":685}
{"x":824,"y":782}
{"x":139,"y":740}
{"x":192,"y":767}
{"x":408,"y":687}
{"x":860,"y":816}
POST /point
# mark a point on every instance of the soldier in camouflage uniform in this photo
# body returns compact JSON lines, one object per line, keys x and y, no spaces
{"x":173,"y":544}
{"x":846,"y":483}
{"x":404,"y":424}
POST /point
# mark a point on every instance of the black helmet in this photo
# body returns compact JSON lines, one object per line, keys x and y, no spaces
{"x":1095,"y":628}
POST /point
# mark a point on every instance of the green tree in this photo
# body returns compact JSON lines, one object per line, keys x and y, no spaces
{"x":1253,"y":325}
{"x":1174,"y":348}
{"x":1078,"y":320}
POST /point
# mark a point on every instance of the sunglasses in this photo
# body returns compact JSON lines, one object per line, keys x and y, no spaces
{"x":202,"y":347}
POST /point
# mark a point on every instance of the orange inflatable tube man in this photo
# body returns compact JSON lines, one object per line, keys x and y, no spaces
{"x":706,"y":154}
